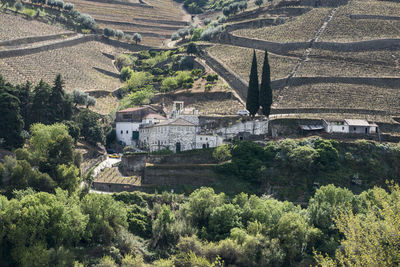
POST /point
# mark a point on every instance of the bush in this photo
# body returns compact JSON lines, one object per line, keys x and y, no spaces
{"x":124,"y":60}
{"x":208,"y":87}
{"x":119,"y":34}
{"x":157,"y":71}
{"x":138,"y":80}
{"x":29,"y":12}
{"x":197,"y":72}
{"x":207,"y":21}
{"x":126,"y":73}
{"x":222,"y":153}
{"x":141,"y":97}
{"x":19,"y":6}
{"x":175,"y":36}
{"x":212,"y":78}
{"x":222,"y":19}
{"x":186,"y":63}
{"x":169,"y":84}
{"x":137,"y":38}
{"x":109,"y":32}
{"x":68,"y":6}
{"x":211,"y":32}
{"x":196,"y":34}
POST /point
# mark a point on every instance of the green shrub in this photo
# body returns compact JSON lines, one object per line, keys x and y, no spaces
{"x":29,"y":12}
{"x":197,"y":72}
{"x":222,"y":153}
{"x":138,"y":80}
{"x":169,"y":84}
{"x":212,"y":78}
{"x":208,"y":87}
{"x":144,"y":55}
{"x":141,"y":97}
{"x":126,"y":73}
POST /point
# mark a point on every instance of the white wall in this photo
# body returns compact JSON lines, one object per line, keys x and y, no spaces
{"x":258,"y":127}
{"x":211,"y":140}
{"x":124,"y":132}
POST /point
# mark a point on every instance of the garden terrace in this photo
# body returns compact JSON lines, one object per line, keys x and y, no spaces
{"x":113,"y":176}
{"x":15,"y":27}
{"x":238,"y":58}
{"x":300,"y":29}
{"x":373,"y":7}
{"x":342,"y":28}
{"x":341,"y":96}
{"x":76,"y":64}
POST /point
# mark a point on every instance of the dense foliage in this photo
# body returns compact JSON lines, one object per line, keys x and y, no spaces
{"x":292,"y":169}
{"x":205,"y":229}
{"x":24,"y":105}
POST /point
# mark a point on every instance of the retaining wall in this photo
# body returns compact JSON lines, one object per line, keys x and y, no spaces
{"x":361,"y":16}
{"x":327,"y":110}
{"x":285,"y":48}
{"x":257,"y":23}
{"x":170,"y":175}
{"x":115,"y":2}
{"x":132,"y":164}
{"x":34,"y":39}
{"x":121,"y":23}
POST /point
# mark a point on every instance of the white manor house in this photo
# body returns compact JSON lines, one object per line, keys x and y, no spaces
{"x":144,"y":128}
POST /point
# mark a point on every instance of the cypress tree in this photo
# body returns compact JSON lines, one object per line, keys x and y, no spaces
{"x":265,"y":88}
{"x":41,"y":108}
{"x":252,"y":103}
{"x":57,"y":100}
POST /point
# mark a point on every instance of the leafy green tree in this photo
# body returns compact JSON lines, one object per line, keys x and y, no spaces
{"x":265,"y":88}
{"x":141,"y":97}
{"x":222,"y":220}
{"x":192,"y":48}
{"x":43,"y":135}
{"x":258,"y":3}
{"x":252,"y":102}
{"x":106,"y":218}
{"x":119,"y":34}
{"x":370,"y":238}
{"x":137,"y":38}
{"x":91,"y":128}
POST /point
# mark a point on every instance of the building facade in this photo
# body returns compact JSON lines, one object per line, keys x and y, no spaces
{"x":127,"y":123}
{"x":350,"y":126}
{"x":176,"y":135}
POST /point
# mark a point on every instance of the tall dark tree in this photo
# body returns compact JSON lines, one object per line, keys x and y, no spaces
{"x":40,"y":111}
{"x":57,"y":98}
{"x":24,"y":95}
{"x":252,"y":103}
{"x":11,"y":122}
{"x":61,"y":104}
{"x":265,"y":88}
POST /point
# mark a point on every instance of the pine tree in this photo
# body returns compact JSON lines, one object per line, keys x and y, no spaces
{"x":252,"y":103}
{"x":265,"y":88}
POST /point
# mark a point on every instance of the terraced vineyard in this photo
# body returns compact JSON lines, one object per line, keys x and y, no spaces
{"x":14,"y":27}
{"x":333,"y":76}
{"x":341,"y":96}
{"x":238,"y":58}
{"x":300,"y":29}
{"x":77,"y":65}
{"x":162,"y":17}
{"x":112,"y":175}
{"x":343,"y":28}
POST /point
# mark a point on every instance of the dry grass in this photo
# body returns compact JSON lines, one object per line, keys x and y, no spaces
{"x":74,"y":63}
{"x":239,"y":59}
{"x":13,"y":27}
{"x":344,"y":29}
{"x":341,"y":96}
{"x":218,"y":107}
{"x":334,"y":68}
{"x":300,"y":29}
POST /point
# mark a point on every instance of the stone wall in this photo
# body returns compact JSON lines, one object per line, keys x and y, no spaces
{"x":252,"y":127}
{"x":170,"y":175}
{"x":323,"y":3}
{"x":132,"y":164}
{"x":257,"y":23}
{"x":141,"y":26}
{"x":285,"y":48}
{"x":361,"y":16}
{"x":327,"y":110}
{"x":34,"y":39}
{"x":110,"y":187}
{"x":194,"y":157}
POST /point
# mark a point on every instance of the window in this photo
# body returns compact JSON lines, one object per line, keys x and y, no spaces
{"x":127,"y":131}
{"x":201,"y":138}
{"x":342,"y":128}
{"x":206,"y":139}
{"x":122,"y":132}
{"x":354,"y":128}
